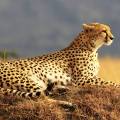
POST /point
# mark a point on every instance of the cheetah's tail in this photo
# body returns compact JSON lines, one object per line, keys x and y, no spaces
{"x":101,"y":82}
{"x":20,"y":93}
{"x":110,"y":83}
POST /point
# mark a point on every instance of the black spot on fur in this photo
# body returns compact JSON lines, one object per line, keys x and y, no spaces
{"x":38,"y":93}
{"x":50,"y":86}
{"x":6,"y":93}
{"x":23,"y":94}
{"x":30,"y":95}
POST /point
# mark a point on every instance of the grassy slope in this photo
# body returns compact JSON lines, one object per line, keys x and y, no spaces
{"x":92,"y":103}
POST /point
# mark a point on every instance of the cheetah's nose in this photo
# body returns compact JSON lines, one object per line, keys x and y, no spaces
{"x":112,"y":37}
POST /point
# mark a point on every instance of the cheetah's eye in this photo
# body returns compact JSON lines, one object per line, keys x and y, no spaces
{"x":104,"y":31}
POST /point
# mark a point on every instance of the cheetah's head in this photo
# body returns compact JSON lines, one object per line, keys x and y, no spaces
{"x":99,"y":34}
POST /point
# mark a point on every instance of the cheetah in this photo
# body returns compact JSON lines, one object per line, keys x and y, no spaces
{"x":76,"y":64}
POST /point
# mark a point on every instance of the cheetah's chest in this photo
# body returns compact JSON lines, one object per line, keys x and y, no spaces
{"x":86,"y":65}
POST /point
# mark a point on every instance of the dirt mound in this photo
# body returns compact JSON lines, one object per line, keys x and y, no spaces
{"x":91,"y":104}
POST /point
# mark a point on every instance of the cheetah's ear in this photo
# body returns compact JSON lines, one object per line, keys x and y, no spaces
{"x":88,"y":26}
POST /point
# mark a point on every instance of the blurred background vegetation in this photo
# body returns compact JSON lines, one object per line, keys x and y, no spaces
{"x":7,"y":55}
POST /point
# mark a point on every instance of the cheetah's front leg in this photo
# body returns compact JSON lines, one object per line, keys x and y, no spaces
{"x":61,"y":86}
{"x":57,"y":87}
